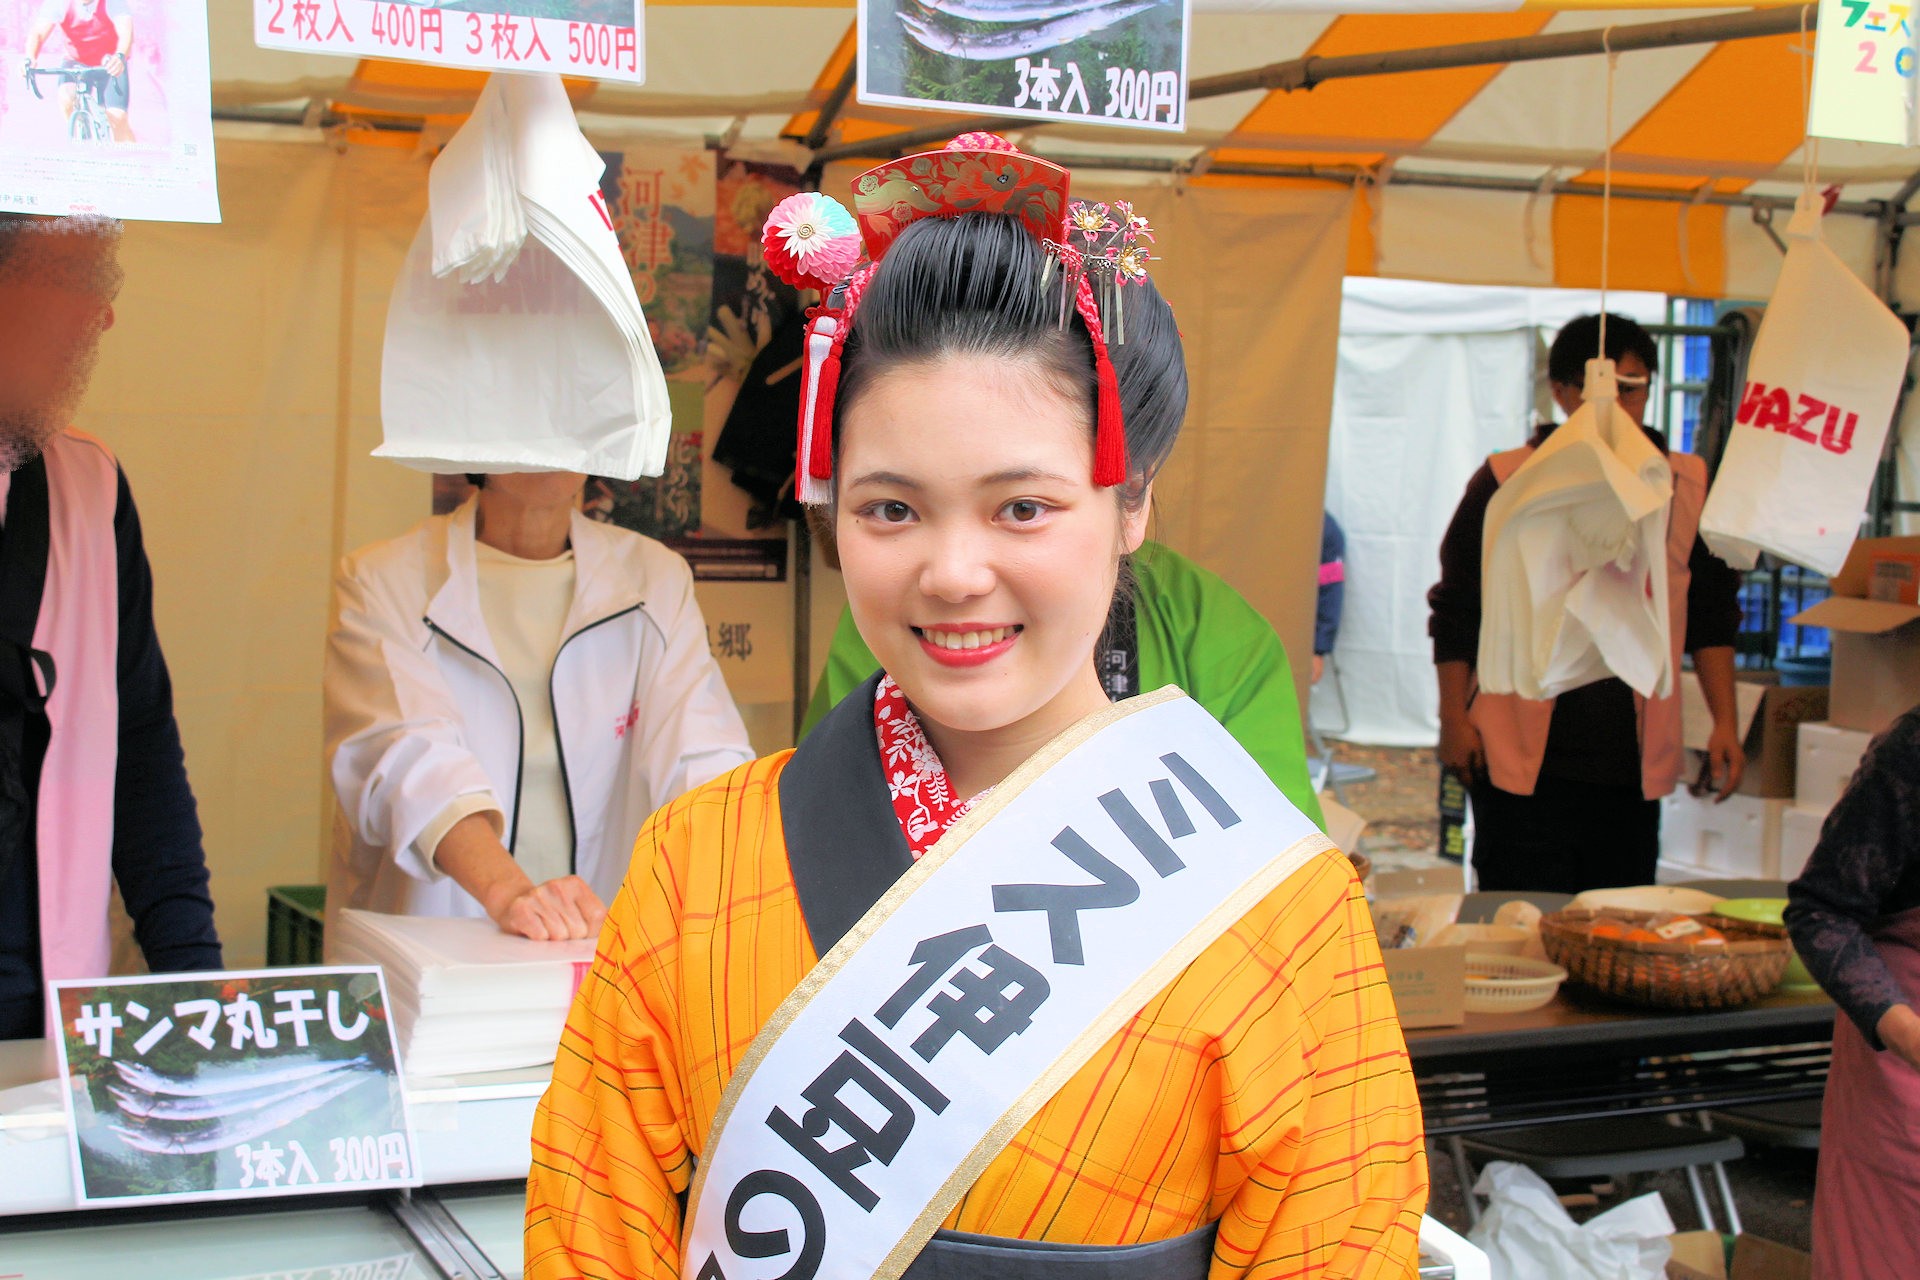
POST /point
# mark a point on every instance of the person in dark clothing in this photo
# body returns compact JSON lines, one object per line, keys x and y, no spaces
{"x":1333,"y":592}
{"x":93,"y":784}
{"x":1855,"y":918}
{"x":1566,"y":794}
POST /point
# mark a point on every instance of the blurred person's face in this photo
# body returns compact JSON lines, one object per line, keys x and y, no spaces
{"x":1635,"y":384}
{"x":538,"y":488}
{"x":58,"y":279}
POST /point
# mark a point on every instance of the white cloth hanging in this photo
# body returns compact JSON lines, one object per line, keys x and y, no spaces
{"x":515,"y":340}
{"x":1574,"y":559}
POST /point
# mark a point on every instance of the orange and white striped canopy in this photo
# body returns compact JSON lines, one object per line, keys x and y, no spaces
{"x":1697,"y":124}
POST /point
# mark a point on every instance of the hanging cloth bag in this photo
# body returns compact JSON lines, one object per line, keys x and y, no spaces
{"x":1822,"y":384}
{"x":1573,"y":565}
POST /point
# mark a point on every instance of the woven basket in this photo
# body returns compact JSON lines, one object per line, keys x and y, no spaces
{"x":1669,"y":975}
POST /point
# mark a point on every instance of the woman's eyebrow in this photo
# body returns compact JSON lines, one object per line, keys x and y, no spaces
{"x":891,"y":478}
{"x":1017,"y":475}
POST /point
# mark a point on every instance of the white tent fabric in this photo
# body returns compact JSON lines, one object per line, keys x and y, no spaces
{"x":1432,"y":379}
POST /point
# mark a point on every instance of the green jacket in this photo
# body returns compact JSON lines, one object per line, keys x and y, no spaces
{"x":1194,"y":631}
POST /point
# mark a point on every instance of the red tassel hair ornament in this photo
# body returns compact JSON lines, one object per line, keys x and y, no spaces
{"x":1109,"y":426}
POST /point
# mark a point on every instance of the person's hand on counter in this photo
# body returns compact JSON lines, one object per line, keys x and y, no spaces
{"x":553,"y":911}
{"x":557,"y":910}
{"x":1899,"y":1029}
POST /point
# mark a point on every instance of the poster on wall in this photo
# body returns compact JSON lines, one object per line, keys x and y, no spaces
{"x":604,"y":39}
{"x":1863,"y":74}
{"x":231,"y":1086}
{"x":753,"y":361}
{"x":1118,"y":62}
{"x":106,"y":108}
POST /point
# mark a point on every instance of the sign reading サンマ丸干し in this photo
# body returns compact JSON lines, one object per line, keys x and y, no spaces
{"x":1119,"y":62}
{"x":232,"y":1085}
{"x":604,"y":39}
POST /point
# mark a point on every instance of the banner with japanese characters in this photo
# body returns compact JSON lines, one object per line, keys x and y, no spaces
{"x":990,"y":972}
{"x":106,"y":108}
{"x":604,"y":39}
{"x":1863,"y":73}
{"x":232,"y":1085}
{"x":1118,"y":62}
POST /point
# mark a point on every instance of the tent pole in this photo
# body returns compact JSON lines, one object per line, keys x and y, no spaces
{"x":830,"y":109}
{"x":1305,"y":73}
{"x":1345,"y":174}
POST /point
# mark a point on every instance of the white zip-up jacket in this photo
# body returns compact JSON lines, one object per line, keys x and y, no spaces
{"x":419,"y":712}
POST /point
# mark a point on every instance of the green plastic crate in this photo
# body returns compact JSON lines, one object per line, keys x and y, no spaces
{"x":296,"y":923}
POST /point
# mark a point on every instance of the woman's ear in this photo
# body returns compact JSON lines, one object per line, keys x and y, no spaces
{"x":1133,"y":519}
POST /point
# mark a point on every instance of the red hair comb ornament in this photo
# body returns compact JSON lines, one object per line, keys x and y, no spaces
{"x":812,"y":242}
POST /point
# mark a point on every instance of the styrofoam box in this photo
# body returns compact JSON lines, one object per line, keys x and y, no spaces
{"x":1799,"y":832}
{"x":1738,"y":840}
{"x":1827,"y":758}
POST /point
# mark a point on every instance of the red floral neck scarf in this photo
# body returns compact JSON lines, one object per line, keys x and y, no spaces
{"x":923,"y":797}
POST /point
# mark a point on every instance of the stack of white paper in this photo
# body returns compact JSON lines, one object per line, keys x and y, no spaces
{"x":463,"y":996}
{"x":515,"y":340}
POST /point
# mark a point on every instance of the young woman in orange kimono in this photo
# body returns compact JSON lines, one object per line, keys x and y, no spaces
{"x":1258,"y":1116}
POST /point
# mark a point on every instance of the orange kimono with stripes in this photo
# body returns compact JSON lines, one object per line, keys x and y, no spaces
{"x":1267,"y":1088}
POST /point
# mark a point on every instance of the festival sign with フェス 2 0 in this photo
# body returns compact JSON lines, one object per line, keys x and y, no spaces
{"x":1118,"y":62}
{"x":603,"y":39}
{"x":227,"y":1086}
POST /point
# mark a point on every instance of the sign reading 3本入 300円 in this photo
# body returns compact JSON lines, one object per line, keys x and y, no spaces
{"x":230,"y":1085}
{"x":1119,"y":62}
{"x":599,"y":38}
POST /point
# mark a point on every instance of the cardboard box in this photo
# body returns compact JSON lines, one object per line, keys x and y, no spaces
{"x":1799,"y":832}
{"x":1894,"y":578}
{"x":1701,"y":1255}
{"x":1876,"y":643}
{"x":1429,"y":985}
{"x":1702,"y":840}
{"x":1769,"y":715}
{"x":1828,"y":756}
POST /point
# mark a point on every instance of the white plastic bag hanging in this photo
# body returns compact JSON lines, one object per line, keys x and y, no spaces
{"x":1822,"y":384}
{"x":515,"y":340}
{"x":1574,"y":559}
{"x":1527,"y":1233}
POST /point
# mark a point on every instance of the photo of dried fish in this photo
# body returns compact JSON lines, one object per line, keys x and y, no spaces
{"x":1047,"y":58}
{"x":204,"y":1090}
{"x":984,"y":30}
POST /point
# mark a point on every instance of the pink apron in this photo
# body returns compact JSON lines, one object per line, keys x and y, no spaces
{"x":1866,"y":1201}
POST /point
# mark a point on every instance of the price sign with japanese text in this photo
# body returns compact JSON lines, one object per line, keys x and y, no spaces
{"x":599,"y":38}
{"x":232,"y":1085}
{"x":1118,"y":62}
{"x":1863,"y":73}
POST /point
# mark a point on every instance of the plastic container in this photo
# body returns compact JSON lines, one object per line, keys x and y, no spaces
{"x":296,"y":924}
{"x":1486,"y":939}
{"x":1770,"y":911}
{"x":1510,"y":984}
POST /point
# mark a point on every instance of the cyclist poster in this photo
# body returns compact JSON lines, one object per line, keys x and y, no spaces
{"x":105,"y":107}
{"x":603,"y":39}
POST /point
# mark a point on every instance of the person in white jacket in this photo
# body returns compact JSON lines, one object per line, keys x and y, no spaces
{"x":510,"y":691}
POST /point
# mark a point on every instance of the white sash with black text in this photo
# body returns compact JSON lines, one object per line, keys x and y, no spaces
{"x":926,"y":1039}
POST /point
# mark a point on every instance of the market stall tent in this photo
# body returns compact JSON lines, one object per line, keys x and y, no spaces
{"x":241,"y":384}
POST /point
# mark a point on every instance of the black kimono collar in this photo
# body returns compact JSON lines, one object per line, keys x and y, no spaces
{"x":844,"y":844}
